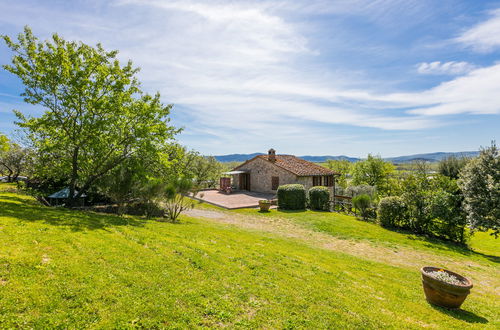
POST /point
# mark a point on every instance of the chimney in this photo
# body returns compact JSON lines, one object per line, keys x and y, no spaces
{"x":271,"y":155}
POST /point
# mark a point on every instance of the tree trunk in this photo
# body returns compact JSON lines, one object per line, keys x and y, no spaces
{"x":74,"y":177}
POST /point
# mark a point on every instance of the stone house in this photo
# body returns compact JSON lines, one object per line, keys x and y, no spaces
{"x":265,"y":173}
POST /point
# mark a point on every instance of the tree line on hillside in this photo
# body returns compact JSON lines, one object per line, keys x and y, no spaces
{"x":461,"y":197}
{"x":100,"y":134}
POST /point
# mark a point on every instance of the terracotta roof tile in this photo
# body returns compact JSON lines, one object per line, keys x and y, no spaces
{"x":296,"y":165}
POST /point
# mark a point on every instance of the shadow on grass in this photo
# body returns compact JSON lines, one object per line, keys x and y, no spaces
{"x":461,"y":314}
{"x":436,"y":243}
{"x":75,"y":220}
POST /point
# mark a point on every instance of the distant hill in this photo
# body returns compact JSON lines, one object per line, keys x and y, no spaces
{"x":236,"y":157}
{"x":321,"y":159}
{"x":431,"y":157}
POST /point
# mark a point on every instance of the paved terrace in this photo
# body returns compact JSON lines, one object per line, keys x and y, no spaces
{"x":235,"y":200}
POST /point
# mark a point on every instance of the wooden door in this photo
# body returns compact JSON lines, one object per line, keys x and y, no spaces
{"x":245,"y":181}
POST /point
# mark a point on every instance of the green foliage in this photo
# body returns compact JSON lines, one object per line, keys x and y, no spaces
{"x":176,"y":201}
{"x":291,"y":197}
{"x":319,"y":198}
{"x":447,"y":217}
{"x":4,"y":143}
{"x":480,"y":183}
{"x":362,"y":189}
{"x":392,"y":212}
{"x":151,"y":192}
{"x":415,"y":195}
{"x":421,"y":167}
{"x":341,"y":166}
{"x":121,"y":183}
{"x":14,"y":159}
{"x":451,"y":166}
{"x":206,"y":171}
{"x":362,"y":203}
{"x":96,"y":115}
{"x":434,"y":206}
{"x":373,"y":171}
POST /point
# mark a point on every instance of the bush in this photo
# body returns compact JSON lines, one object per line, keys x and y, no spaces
{"x":363,"y":189}
{"x":362,"y":203}
{"x":392,"y":212}
{"x":292,"y":197}
{"x":449,"y":220}
{"x":319,"y":198}
{"x":149,"y":209}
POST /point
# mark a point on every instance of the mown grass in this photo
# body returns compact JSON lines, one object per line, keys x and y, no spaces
{"x":70,"y":269}
{"x":481,"y":246}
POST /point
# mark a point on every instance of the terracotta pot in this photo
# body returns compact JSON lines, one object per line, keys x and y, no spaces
{"x":264,"y":205}
{"x":445,"y":294}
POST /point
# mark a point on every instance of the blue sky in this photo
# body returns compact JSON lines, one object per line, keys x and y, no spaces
{"x":304,"y":77}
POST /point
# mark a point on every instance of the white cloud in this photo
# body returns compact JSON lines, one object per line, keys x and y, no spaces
{"x":444,"y":68}
{"x":474,"y":93}
{"x":485,"y":36}
{"x":246,"y":66}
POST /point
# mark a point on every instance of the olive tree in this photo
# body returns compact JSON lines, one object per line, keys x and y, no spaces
{"x":14,"y":160}
{"x":96,"y":114}
{"x":480,"y":184}
{"x":205,"y":170}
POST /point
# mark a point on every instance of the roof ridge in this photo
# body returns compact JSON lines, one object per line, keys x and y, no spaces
{"x":296,"y":165}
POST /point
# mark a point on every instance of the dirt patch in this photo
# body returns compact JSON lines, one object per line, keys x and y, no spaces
{"x":403,"y":257}
{"x":45,"y":259}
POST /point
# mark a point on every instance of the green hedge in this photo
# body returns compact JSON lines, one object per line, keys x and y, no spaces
{"x":319,"y":198}
{"x":292,"y":197}
{"x":392,"y":212}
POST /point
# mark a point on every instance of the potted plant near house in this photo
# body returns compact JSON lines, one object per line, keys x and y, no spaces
{"x":264,"y":205}
{"x":445,"y":288}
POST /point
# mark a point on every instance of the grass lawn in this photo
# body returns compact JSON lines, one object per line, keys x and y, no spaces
{"x":70,"y":269}
{"x":482,"y":246}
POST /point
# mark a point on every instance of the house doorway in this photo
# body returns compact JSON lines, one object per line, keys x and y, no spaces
{"x":244,"y":181}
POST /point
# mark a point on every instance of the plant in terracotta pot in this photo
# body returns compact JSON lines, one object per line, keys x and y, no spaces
{"x":444,"y":288}
{"x":264,"y":205}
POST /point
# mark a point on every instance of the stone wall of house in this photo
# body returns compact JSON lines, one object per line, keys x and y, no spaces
{"x":261,"y":173}
{"x":307,"y":181}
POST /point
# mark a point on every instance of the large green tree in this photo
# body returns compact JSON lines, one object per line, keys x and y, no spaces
{"x":480,"y":184}
{"x":373,"y":171}
{"x":96,"y":115}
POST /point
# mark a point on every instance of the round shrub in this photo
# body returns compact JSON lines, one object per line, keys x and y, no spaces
{"x":392,"y":212}
{"x":292,"y":197}
{"x":319,"y":198}
{"x":362,"y":203}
